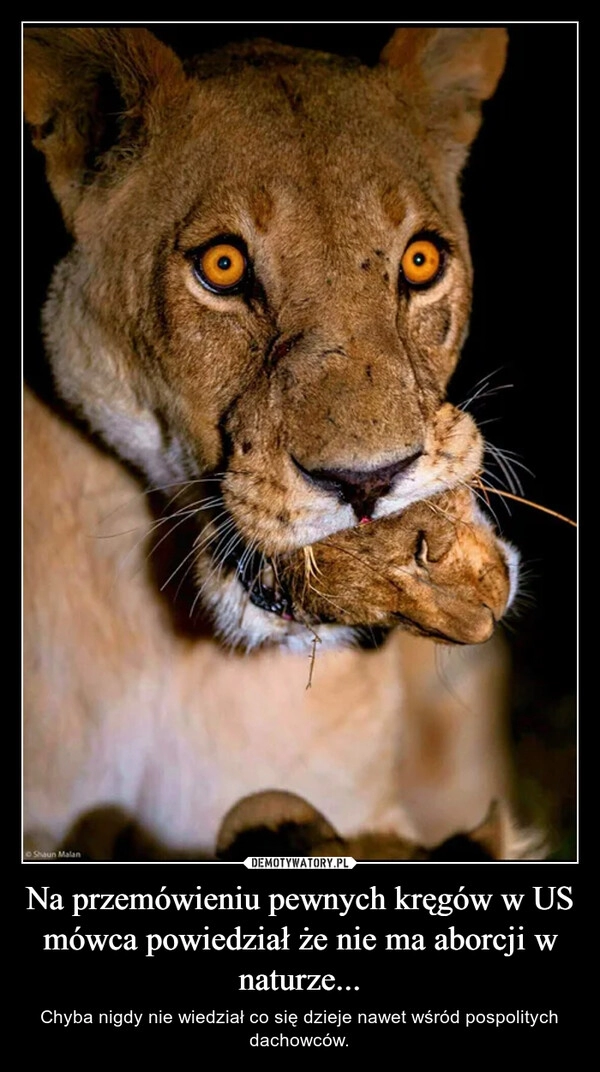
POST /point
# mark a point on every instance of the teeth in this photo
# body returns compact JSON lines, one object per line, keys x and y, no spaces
{"x":267,"y":577}
{"x":261,"y":585}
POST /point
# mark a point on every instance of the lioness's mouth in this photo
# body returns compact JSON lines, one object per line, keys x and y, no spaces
{"x":436,"y":569}
{"x":258,"y":575}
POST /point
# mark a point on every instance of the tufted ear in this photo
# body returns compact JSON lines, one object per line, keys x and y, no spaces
{"x":275,"y":823}
{"x":451,"y":71}
{"x":491,"y":834}
{"x":496,"y":838}
{"x":88,"y":91}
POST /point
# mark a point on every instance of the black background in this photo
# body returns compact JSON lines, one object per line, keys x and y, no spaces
{"x":520,"y":205}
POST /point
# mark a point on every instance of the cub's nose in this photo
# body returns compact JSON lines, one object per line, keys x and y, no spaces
{"x":361,"y":488}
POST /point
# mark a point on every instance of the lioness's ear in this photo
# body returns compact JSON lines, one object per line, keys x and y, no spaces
{"x":86,"y":91}
{"x":452,"y":71}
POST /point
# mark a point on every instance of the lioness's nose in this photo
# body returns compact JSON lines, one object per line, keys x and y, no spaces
{"x":361,"y":488}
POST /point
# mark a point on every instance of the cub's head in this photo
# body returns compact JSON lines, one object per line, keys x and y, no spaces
{"x":269,"y":283}
{"x":437,"y":569}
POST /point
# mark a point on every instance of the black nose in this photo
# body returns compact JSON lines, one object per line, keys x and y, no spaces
{"x":361,"y":488}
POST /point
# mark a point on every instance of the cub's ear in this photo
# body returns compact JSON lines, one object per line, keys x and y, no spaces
{"x":275,"y":823}
{"x":451,"y":71}
{"x":487,"y":842}
{"x":88,"y":91}
{"x":491,"y":833}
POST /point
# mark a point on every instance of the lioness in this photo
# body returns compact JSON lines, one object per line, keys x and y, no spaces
{"x":267,"y":292}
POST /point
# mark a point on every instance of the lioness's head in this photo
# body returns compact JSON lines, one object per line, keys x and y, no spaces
{"x":270,"y":282}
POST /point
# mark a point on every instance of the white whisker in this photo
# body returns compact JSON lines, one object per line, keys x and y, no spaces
{"x":513,"y":482}
{"x":480,"y":495}
{"x":196,"y":549}
{"x":184,"y":484}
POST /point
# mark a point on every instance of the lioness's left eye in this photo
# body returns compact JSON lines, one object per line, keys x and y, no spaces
{"x":221,"y":267}
{"x":423,"y":262}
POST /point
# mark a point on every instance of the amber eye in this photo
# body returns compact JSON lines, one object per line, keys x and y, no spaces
{"x":221,"y":267}
{"x":422,"y":262}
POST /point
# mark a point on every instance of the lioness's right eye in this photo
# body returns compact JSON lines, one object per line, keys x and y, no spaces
{"x":222,"y":265}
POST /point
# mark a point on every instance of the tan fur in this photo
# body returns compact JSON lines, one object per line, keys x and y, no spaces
{"x":325,"y":170}
{"x":276,"y":823}
{"x":437,"y":569}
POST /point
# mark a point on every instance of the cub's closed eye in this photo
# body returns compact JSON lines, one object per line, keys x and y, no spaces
{"x":423,"y":262}
{"x":421,"y":550}
{"x":222,"y":266}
